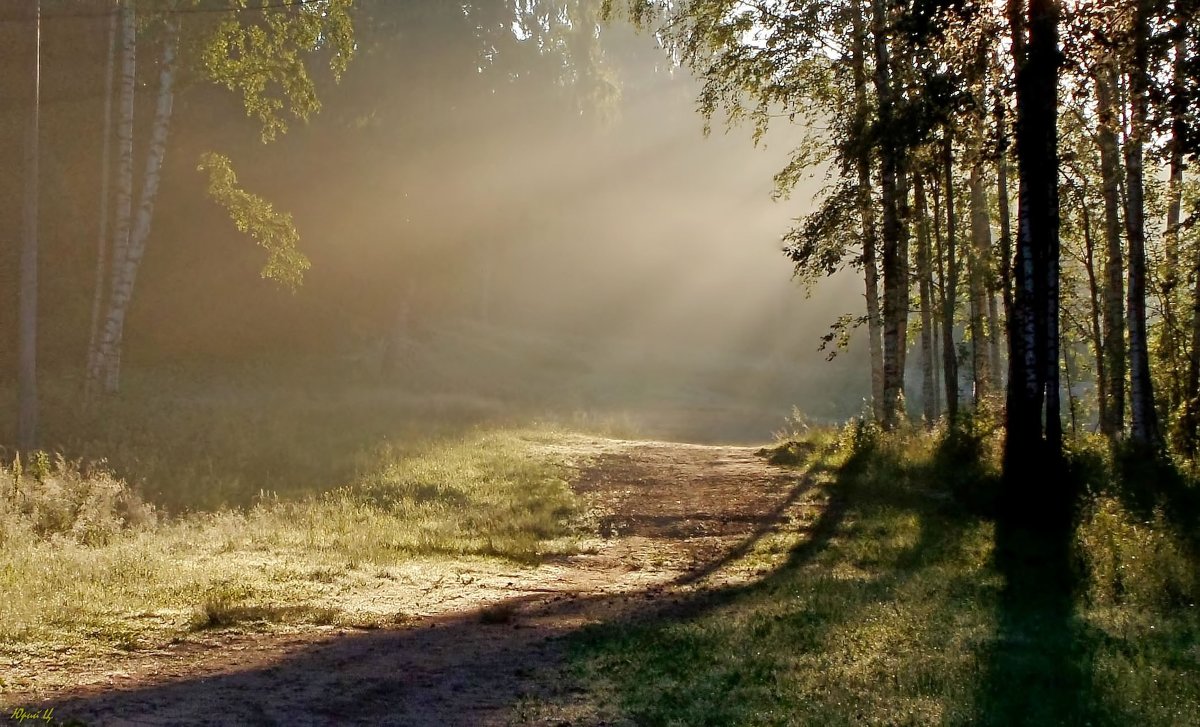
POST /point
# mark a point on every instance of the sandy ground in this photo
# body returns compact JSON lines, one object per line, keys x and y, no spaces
{"x":480,"y":641}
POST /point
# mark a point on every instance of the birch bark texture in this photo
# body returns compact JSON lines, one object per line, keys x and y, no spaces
{"x":126,"y":261}
{"x":1144,"y":428}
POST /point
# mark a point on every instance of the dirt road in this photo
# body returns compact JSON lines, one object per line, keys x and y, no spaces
{"x":483,"y":646}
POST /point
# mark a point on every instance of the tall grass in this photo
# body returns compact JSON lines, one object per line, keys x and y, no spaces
{"x":46,"y":498}
{"x":488,"y":495}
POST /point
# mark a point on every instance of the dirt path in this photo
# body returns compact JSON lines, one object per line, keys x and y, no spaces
{"x":671,"y":518}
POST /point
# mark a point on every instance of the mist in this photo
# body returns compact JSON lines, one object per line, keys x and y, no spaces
{"x":622,"y":263}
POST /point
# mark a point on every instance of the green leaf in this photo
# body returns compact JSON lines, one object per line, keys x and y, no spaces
{"x":273,"y":231}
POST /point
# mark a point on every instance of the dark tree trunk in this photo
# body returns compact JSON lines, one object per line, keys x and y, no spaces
{"x":1005,"y":210}
{"x":1113,"y":423}
{"x":1144,"y":429}
{"x":978,"y":273}
{"x":1033,"y":387}
{"x":925,"y":292}
{"x":950,"y":289}
{"x":1094,"y":303}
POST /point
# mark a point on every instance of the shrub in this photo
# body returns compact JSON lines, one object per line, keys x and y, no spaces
{"x":47,"y":498}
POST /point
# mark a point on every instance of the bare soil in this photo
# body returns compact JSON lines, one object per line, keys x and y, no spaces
{"x":474,"y":642}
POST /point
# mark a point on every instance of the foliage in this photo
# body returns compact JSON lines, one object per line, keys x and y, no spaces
{"x":274,"y":231}
{"x":265,"y":61}
{"x":1132,"y":563}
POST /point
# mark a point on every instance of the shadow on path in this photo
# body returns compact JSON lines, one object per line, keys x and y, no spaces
{"x":469,"y":667}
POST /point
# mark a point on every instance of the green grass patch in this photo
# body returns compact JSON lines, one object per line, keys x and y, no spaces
{"x":489,"y":495}
{"x":887,"y":604}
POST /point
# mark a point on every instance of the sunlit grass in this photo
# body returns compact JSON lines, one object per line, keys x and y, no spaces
{"x":883,"y":604}
{"x":282,"y":561}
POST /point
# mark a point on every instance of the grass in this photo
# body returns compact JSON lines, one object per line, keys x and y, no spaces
{"x":887,"y":602}
{"x":204,"y":439}
{"x":486,"y":495}
{"x":207,"y":435}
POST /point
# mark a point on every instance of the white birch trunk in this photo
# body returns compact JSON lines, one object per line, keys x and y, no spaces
{"x":126,"y":267}
{"x":103,"y":350}
{"x":1144,"y":419}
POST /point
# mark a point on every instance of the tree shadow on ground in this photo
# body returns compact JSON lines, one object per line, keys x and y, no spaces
{"x":668,"y":672}
{"x":1039,"y":665}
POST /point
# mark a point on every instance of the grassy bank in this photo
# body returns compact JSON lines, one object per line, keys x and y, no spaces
{"x":888,"y":605}
{"x":86,"y":566}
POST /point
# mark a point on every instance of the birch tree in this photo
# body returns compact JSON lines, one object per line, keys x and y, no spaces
{"x":264,"y":61}
{"x":126,"y":265}
{"x":1144,"y":427}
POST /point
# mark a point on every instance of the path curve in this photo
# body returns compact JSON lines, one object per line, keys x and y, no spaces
{"x":671,"y":518}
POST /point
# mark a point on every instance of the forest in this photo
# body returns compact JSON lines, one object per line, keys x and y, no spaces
{"x":602,"y":362}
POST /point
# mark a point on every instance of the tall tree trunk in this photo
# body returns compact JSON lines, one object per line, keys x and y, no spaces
{"x":866,"y":208}
{"x":125,"y":276}
{"x":1033,"y":388}
{"x":105,"y":203}
{"x":1004,"y":280}
{"x":1144,"y":427}
{"x":993,"y":324}
{"x":950,"y":287}
{"x":27,"y":313}
{"x":938,"y":266}
{"x":925,"y":293}
{"x":894,"y":267}
{"x":1172,"y":345}
{"x":1005,"y":210}
{"x":1191,"y":396}
{"x":1114,"y":257}
{"x":1186,"y":394}
{"x":102,"y":350}
{"x":979,"y":272}
{"x":1192,"y":418}
{"x":904,"y":273}
{"x":1094,"y":298}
